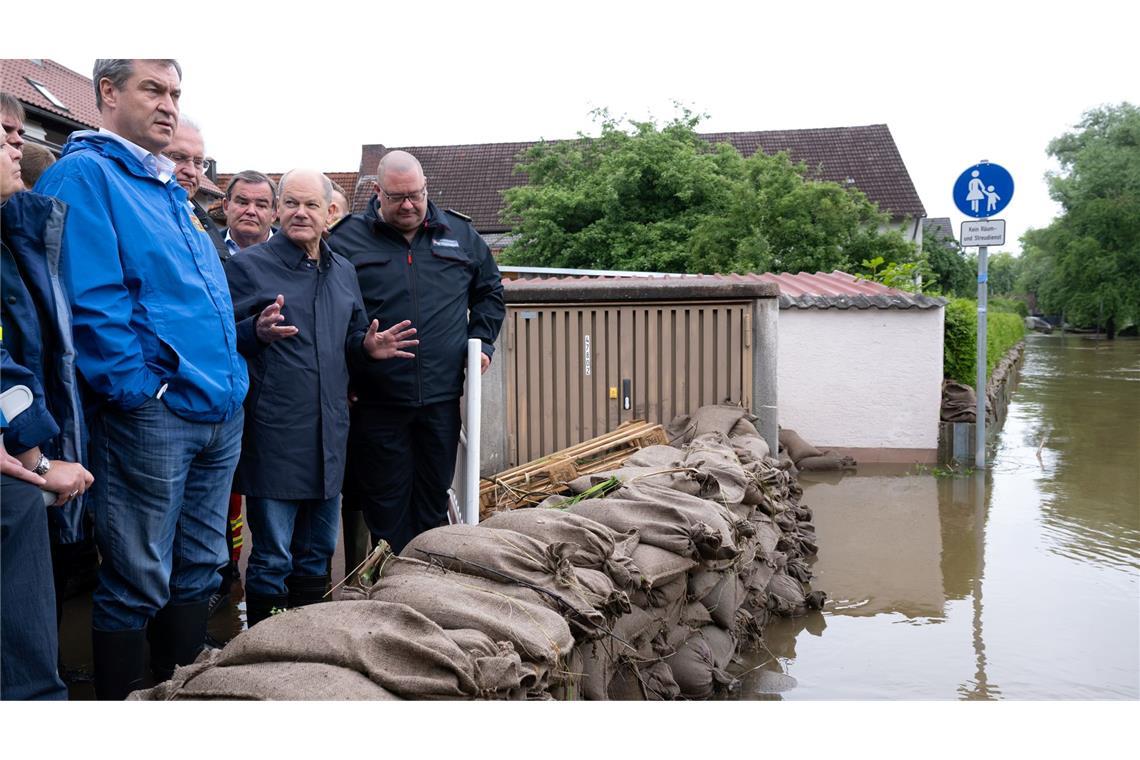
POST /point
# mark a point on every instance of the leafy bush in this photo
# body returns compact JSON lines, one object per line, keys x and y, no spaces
{"x":1003,"y":331}
{"x":1008,"y":306}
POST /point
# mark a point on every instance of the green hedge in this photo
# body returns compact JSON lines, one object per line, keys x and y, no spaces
{"x":1008,"y":305}
{"x":1003,"y":331}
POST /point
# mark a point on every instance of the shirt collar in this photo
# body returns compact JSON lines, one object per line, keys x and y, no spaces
{"x":233,"y":246}
{"x":158,"y":166}
{"x":292,"y":255}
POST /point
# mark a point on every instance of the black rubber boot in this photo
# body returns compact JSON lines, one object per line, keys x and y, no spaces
{"x":176,"y":634}
{"x":258,"y":607}
{"x":307,"y":589}
{"x":119,"y":659}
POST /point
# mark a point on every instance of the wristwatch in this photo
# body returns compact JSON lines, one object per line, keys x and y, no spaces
{"x":42,"y":466}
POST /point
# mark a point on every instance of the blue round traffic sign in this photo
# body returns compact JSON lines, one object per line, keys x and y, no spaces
{"x":983,"y":190}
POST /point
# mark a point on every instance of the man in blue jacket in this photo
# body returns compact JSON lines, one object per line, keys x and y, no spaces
{"x":414,"y":262}
{"x":157,"y":351}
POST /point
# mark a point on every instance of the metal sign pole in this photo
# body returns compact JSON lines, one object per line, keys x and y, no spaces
{"x":980,"y":385}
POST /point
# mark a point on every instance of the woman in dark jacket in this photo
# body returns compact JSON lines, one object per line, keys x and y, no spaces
{"x":42,"y":424}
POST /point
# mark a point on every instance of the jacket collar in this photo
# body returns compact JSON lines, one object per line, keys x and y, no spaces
{"x":114,"y":148}
{"x":293,"y":256}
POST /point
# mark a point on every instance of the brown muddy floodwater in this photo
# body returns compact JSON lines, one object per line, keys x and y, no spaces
{"x":1019,"y":583}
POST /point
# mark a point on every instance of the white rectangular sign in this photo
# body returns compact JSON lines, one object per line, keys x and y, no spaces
{"x":988,"y":232}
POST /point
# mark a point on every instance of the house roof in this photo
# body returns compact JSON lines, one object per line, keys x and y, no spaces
{"x":939,"y":228}
{"x":834,"y":290}
{"x":472,"y":178}
{"x":74,"y":90}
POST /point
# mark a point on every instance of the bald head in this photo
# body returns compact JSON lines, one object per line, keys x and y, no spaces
{"x":308,"y":174}
{"x":398,"y":162}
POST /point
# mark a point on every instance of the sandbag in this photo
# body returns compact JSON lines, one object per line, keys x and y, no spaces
{"x":796,"y":447}
{"x":718,"y":469}
{"x":721,"y":526}
{"x":786,"y":596}
{"x":744,"y":428}
{"x":659,"y":565}
{"x":658,"y":455}
{"x":501,"y":555}
{"x":275,"y":681}
{"x":695,"y":671}
{"x":824,"y":462}
{"x":538,"y":633}
{"x":393,"y":645}
{"x":659,"y":525}
{"x":643,"y":681}
{"x":749,"y":448}
{"x":718,"y":418}
{"x":665,"y":594}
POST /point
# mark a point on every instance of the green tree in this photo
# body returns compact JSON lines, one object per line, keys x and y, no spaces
{"x":1087,"y":263}
{"x":661,"y":198}
{"x":952,"y":271}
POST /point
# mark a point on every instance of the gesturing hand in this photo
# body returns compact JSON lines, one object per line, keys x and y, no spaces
{"x":391,"y":342}
{"x":268,"y":329}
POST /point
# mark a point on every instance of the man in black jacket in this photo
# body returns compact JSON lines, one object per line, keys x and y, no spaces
{"x":419,"y":263}
{"x":299,"y":318}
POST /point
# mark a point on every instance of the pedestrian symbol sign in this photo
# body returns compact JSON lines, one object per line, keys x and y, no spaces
{"x":983,"y":190}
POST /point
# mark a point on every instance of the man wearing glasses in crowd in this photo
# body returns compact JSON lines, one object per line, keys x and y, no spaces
{"x":414,"y":262}
{"x":188,"y":152}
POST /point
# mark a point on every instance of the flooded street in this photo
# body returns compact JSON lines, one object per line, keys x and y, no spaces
{"x":1019,"y":583}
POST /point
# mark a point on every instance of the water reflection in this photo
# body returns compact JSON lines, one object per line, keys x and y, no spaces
{"x":1021,"y":582}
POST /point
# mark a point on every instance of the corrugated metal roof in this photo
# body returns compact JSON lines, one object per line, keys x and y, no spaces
{"x":835,"y":290}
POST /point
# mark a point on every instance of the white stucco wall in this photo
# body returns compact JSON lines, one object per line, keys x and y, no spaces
{"x":861,"y":378}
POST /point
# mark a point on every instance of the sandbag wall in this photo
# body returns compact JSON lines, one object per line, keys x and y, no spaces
{"x":647,"y":592}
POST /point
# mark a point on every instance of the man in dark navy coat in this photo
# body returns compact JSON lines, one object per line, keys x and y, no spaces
{"x":300,"y":317}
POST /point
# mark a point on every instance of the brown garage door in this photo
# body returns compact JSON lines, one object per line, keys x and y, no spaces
{"x":577,"y":371}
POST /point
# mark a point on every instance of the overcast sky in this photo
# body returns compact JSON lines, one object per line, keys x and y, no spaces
{"x":310,"y":84}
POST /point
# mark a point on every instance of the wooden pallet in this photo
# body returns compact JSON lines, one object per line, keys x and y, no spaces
{"x":530,"y":483}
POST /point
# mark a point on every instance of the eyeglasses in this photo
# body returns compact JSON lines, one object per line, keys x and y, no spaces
{"x":203,"y":164}
{"x":399,"y":198}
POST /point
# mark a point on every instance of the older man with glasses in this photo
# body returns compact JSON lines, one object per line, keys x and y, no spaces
{"x":414,"y":262}
{"x":188,"y":152}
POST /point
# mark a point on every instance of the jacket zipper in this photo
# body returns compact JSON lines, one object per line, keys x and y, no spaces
{"x":416,"y":311}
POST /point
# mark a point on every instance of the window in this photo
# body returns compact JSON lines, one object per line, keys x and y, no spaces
{"x":43,"y":90}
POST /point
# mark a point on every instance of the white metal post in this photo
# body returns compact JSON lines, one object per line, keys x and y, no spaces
{"x":474,"y":410}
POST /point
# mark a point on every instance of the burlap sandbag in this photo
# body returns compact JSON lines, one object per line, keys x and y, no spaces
{"x":598,"y":547}
{"x":695,"y":671}
{"x":786,"y":596}
{"x":277,"y":681}
{"x":659,"y":565}
{"x":825,"y":462}
{"x":393,"y":645}
{"x":503,"y":611}
{"x":669,"y":477}
{"x":719,"y":418}
{"x":506,"y":555}
{"x":796,"y":447}
{"x":664,"y":594}
{"x":598,"y":664}
{"x":658,"y":525}
{"x":722,"y":644}
{"x":749,"y":448}
{"x":722,"y":593}
{"x":718,"y":469}
{"x":658,"y":456}
{"x":744,"y":428}
{"x":636,"y":681}
{"x":716,"y":526}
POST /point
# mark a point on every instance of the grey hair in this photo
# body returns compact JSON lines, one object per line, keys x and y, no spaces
{"x":119,"y":70}
{"x":326,"y":183}
{"x":253,"y":178}
{"x":11,"y":106}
